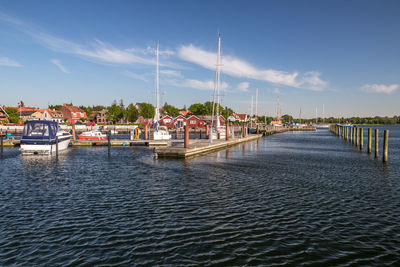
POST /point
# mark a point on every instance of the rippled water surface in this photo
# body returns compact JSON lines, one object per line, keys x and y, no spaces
{"x":292,"y":198}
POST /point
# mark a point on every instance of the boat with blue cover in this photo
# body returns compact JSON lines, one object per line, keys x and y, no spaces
{"x":40,"y":137}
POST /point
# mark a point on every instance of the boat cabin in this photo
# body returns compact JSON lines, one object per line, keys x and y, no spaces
{"x":40,"y":130}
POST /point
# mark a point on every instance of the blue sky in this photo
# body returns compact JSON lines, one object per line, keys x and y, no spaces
{"x":343,"y":54}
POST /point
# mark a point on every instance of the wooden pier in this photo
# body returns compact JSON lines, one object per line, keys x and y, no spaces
{"x":201,"y":146}
{"x":122,"y":142}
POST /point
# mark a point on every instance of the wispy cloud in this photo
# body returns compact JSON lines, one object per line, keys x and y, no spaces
{"x":239,"y":68}
{"x":135,"y":76}
{"x":244,"y":86}
{"x":172,"y":73}
{"x":7,"y":62}
{"x":380,"y":88}
{"x":96,"y":51}
{"x":200,"y":85}
{"x":59,"y":65}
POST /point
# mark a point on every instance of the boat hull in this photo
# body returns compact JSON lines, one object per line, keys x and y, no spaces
{"x":92,"y":138}
{"x":29,"y":148}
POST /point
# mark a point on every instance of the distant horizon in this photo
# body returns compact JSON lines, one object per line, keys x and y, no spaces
{"x":342,"y":54}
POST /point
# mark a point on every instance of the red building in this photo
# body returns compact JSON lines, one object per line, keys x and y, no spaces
{"x":73,"y":114}
{"x":167,"y":121}
{"x":194,"y":122}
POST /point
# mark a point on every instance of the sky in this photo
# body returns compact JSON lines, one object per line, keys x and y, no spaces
{"x":340,"y":55}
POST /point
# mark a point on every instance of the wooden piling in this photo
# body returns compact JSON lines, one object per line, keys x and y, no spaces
{"x":258,"y":129}
{"x":207,"y":131}
{"x":351,"y":135}
{"x":146,"y":132}
{"x":73,"y":132}
{"x":227,"y":132}
{"x":376,"y":142}
{"x":57,"y":146}
{"x":186,"y":141}
{"x":369,"y":141}
{"x":109,"y":142}
{"x":243,"y":131}
{"x":347,"y":133}
{"x":357,"y":135}
{"x":385,"y":145}
{"x":1,"y":144}
{"x":354,"y":135}
{"x":361,"y":138}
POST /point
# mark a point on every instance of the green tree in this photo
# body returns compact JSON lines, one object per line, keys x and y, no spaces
{"x":286,"y":118}
{"x":55,"y":107}
{"x":131,"y":113}
{"x":82,"y":119}
{"x":171,"y":110}
{"x":147,"y":110}
{"x":197,"y":109}
{"x":13,"y":115}
{"x":114,"y":113}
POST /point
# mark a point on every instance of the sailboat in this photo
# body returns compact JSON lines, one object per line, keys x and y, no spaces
{"x":216,"y":129}
{"x":159,"y":132}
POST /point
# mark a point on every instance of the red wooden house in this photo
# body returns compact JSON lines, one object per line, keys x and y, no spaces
{"x":167,"y":121}
{"x":194,"y":122}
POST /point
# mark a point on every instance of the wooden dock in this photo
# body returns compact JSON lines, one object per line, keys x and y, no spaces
{"x":201,"y":146}
{"x":121,"y":142}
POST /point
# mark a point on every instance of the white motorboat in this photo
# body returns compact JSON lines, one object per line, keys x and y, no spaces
{"x":92,"y":135}
{"x":41,"y":137}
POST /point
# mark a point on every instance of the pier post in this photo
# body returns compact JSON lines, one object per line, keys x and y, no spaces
{"x":146,"y":132}
{"x":73,"y":132}
{"x":186,"y":144}
{"x":207,"y":131}
{"x":258,"y":129}
{"x":357,"y":136}
{"x":243,"y":131}
{"x":1,"y":144}
{"x":109,"y":141}
{"x":57,"y":146}
{"x":385,"y":145}
{"x":361,"y":138}
{"x":347,"y":133}
{"x":369,"y":140}
{"x":351,"y":135}
{"x":354,"y":135}
{"x":227,"y":132}
{"x":200,"y":133}
{"x":376,"y":143}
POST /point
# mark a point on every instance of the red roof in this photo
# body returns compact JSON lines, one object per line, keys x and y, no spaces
{"x":73,"y":108}
{"x":184,"y":112}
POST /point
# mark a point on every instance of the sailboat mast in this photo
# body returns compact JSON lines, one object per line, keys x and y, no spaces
{"x":218,"y":75}
{"x":256,"y":102}
{"x":157,"y":111}
{"x":251,"y":108}
{"x":300,"y":115}
{"x":323,"y":113}
{"x":316,"y":115}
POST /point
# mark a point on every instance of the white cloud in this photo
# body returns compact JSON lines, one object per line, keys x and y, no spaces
{"x":97,"y":51}
{"x":135,"y":76}
{"x":5,"y":61}
{"x":59,"y":65}
{"x":173,"y":73}
{"x":244,"y":86}
{"x":380,"y":88}
{"x":277,"y":91}
{"x":240,"y":68}
{"x":200,"y":85}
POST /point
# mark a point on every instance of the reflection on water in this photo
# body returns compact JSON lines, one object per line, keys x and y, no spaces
{"x":288,"y":199}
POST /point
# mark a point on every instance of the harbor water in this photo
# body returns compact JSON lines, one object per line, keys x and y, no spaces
{"x":297,"y":198}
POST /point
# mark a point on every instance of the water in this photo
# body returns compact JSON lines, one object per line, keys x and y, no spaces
{"x":289,"y":199}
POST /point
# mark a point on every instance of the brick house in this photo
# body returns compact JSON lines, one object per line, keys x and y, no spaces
{"x":98,"y":117}
{"x":207,"y":119}
{"x":239,"y":117}
{"x":73,"y":114}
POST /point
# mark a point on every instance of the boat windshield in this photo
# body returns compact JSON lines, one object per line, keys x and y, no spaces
{"x":36,"y":129}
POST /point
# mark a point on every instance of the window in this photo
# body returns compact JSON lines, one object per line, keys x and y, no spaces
{"x":74,"y":114}
{"x":192,"y":122}
{"x":167,"y":120}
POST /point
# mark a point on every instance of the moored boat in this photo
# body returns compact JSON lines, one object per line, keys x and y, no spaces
{"x":41,"y":137}
{"x":92,"y":135}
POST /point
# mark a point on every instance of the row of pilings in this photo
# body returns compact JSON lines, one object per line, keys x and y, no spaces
{"x":355,"y":135}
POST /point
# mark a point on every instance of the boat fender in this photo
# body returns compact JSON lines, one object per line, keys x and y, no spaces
{"x":124,"y":144}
